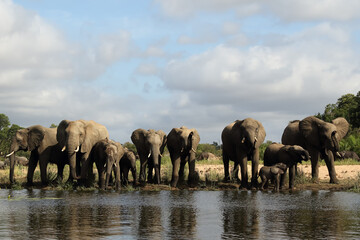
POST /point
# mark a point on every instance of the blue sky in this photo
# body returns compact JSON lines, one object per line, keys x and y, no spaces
{"x":166,"y":63}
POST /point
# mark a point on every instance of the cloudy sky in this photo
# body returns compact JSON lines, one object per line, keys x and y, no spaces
{"x":166,"y":63}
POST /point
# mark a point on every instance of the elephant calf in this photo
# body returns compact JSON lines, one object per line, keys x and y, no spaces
{"x":127,"y":162}
{"x":349,"y":154}
{"x":272,"y":173}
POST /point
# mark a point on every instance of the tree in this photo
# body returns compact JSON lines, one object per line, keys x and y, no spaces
{"x":7,"y":132}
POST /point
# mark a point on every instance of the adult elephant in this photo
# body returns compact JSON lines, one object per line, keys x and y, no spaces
{"x":150,"y":146}
{"x":241,"y":141}
{"x":182,"y":144}
{"x":287,"y":154}
{"x":77,"y":138}
{"x":42,"y":143}
{"x":320,"y":138}
{"x":107,"y":154}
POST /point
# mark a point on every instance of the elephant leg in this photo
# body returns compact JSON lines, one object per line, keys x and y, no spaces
{"x":125,"y":176}
{"x":133,"y":173}
{"x":150,"y":172}
{"x":60,"y":172}
{"x":244,"y":172}
{"x":263,"y":182}
{"x":277,"y":182}
{"x":255,"y":169}
{"x":226,"y":167}
{"x":235,"y":172}
{"x":292,"y":170}
{"x":192,"y":173}
{"x":175,"y":171}
{"x":32,"y":165}
{"x":143,"y":164}
{"x":43,"y":171}
{"x":181,"y":171}
{"x":329,"y":160}
{"x":282,"y":179}
{"x":315,"y":155}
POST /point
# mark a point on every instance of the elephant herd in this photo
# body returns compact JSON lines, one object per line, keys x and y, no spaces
{"x":82,"y":143}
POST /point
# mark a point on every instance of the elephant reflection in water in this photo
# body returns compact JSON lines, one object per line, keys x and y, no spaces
{"x":182,"y":219}
{"x":241,"y":221}
{"x":150,"y":224}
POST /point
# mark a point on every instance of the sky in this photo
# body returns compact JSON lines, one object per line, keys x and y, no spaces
{"x":160,"y":64}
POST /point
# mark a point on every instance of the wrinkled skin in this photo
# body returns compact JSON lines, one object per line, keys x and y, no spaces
{"x":290,"y":155}
{"x":107,"y":154}
{"x":127,"y":162}
{"x":150,"y":146}
{"x":273,"y":173}
{"x":77,"y":138}
{"x":182,"y":144}
{"x":241,"y":141}
{"x":42,"y":143}
{"x":320,"y":138}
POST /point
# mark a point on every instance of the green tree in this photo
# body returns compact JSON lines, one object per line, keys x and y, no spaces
{"x":53,"y":125}
{"x":7,"y":132}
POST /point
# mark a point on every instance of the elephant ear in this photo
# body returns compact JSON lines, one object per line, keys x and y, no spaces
{"x":342,"y":126}
{"x":92,"y":136}
{"x":162,"y":135}
{"x":35,"y":136}
{"x":138,"y":138}
{"x":310,"y":130}
{"x":121,"y":150}
{"x":261,"y":134}
{"x":60,"y":134}
{"x":195,"y":137}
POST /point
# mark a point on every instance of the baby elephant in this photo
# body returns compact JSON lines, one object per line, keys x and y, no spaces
{"x":272,"y":172}
{"x":127,"y":162}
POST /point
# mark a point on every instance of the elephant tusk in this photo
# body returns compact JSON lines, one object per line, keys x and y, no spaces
{"x":77,"y":149}
{"x":115,"y":164}
{"x":182,"y":149}
{"x":63,"y":149}
{"x":192,"y":149}
{"x":256,"y":139}
{"x":104,"y":165}
{"x":243,"y":140}
{"x":10,"y":154}
{"x":160,"y":155}
{"x":338,"y":154}
{"x":149,"y":154}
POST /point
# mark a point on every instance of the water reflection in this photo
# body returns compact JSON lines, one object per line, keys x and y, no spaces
{"x":182,"y":217}
{"x":179,"y":215}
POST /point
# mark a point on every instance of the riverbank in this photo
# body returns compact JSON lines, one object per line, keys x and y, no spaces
{"x":210,"y":178}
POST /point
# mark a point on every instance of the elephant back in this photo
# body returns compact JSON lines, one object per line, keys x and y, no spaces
{"x":271,"y":154}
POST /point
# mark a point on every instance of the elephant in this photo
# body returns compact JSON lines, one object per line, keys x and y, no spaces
{"x":320,"y":138}
{"x":77,"y":138}
{"x":207,"y":156}
{"x":150,"y":145}
{"x":42,"y":143}
{"x":127,"y":162}
{"x":349,"y":154}
{"x":182,"y":144}
{"x":107,"y":154}
{"x":273,"y":173}
{"x":287,"y":154}
{"x":241,"y":141}
{"x":21,"y":161}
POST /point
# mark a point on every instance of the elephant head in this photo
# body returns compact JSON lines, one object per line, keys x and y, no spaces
{"x":184,"y":140}
{"x":322,"y":135}
{"x":150,"y":145}
{"x":250,"y":134}
{"x":294,"y":153}
{"x":27,"y":139}
{"x":79,"y":136}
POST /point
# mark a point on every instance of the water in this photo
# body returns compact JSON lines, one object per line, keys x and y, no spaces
{"x":183,"y":214}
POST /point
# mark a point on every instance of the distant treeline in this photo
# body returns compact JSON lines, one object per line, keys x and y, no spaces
{"x":347,"y":106}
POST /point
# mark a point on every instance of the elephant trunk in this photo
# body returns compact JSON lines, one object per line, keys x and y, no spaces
{"x":72,"y":164}
{"x":335,"y":142}
{"x":156,"y":159}
{"x":14,"y":148}
{"x":109,"y":168}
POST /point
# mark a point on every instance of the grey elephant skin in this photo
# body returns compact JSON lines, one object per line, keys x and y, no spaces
{"x":150,"y":145}
{"x":77,"y":138}
{"x":128,"y":163}
{"x":273,"y":173}
{"x":207,"y":156}
{"x":320,"y":138}
{"x":42,"y":143}
{"x":106,"y":154}
{"x":241,"y":141}
{"x":19,"y":160}
{"x":290,"y":155}
{"x":349,"y":155}
{"x":182,"y":144}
